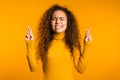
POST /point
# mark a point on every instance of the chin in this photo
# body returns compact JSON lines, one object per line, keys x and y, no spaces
{"x":59,"y":31}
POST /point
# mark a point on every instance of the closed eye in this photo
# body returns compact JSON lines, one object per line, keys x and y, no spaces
{"x":54,"y":18}
{"x":61,"y":18}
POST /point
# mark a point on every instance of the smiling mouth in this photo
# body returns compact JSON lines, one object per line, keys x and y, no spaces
{"x":58,"y":26}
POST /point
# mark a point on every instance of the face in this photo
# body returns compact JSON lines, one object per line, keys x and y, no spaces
{"x":59,"y":21}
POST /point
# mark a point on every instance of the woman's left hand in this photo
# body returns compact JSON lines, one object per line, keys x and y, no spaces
{"x":88,"y":36}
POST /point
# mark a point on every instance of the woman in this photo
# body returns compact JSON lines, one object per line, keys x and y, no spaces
{"x":59,"y":47}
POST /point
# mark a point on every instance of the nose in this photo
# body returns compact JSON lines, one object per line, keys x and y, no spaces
{"x":57,"y":21}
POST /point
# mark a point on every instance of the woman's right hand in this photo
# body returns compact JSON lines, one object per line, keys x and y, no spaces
{"x":29,"y":34}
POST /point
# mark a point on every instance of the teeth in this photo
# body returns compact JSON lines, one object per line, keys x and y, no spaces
{"x":58,"y":26}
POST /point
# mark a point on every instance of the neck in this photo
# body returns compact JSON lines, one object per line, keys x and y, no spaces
{"x":59,"y":36}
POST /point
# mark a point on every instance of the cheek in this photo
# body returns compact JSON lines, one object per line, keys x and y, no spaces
{"x":65,"y":24}
{"x":52,"y":23}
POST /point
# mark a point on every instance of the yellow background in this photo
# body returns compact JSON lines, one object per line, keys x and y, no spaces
{"x":102,"y":16}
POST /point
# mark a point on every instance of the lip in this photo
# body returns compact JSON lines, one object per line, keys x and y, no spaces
{"x":58,"y":26}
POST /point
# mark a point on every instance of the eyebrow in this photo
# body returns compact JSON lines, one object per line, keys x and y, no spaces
{"x":58,"y":17}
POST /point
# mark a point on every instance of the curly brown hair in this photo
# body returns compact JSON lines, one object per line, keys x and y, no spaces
{"x":45,"y":33}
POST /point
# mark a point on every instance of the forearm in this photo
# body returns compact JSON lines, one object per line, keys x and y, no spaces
{"x":31,"y":56}
{"x":83,"y":59}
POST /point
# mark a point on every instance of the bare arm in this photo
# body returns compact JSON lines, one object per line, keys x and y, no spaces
{"x":31,"y":51}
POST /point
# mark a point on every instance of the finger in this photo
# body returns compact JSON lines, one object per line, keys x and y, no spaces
{"x":88,"y":31}
{"x":90,"y":38}
{"x":31,"y":37}
{"x":27,"y":37}
{"x":30,"y":31}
